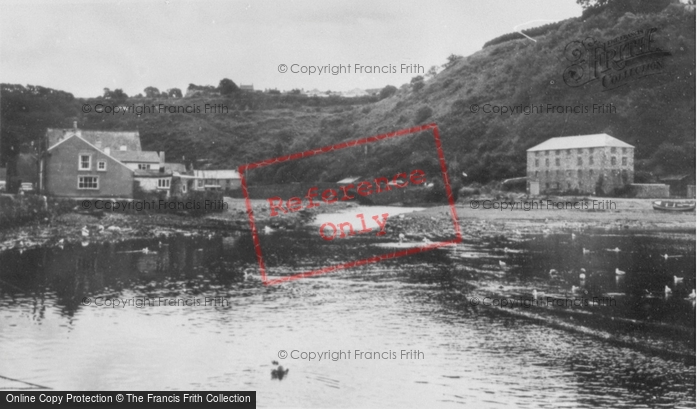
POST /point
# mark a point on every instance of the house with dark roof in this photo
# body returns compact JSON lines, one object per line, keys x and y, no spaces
{"x":583,"y":163}
{"x":228,"y":179}
{"x":81,"y":163}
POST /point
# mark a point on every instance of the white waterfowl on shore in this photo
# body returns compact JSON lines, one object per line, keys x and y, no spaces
{"x":401,"y":237}
{"x":268,"y":230}
{"x":84,"y":231}
{"x":502,"y":263}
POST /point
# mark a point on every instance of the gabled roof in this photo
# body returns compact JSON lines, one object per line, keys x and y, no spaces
{"x":131,"y":156}
{"x":217,"y":174}
{"x":76,"y":136}
{"x":101,"y":139}
{"x":581,"y":141}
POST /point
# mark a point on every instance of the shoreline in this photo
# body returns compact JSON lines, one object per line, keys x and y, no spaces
{"x":630,"y":215}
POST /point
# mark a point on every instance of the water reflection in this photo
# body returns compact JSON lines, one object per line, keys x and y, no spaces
{"x":473,"y":354}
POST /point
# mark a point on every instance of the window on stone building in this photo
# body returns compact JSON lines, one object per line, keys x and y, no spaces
{"x":537,"y":163}
{"x":613,"y":150}
{"x":590,"y":160}
{"x":558,"y":163}
{"x":84,"y":163}
{"x":546,"y":162}
{"x":613,"y":161}
{"x":624,"y":161}
{"x":580,"y":161}
{"x":88,"y":182}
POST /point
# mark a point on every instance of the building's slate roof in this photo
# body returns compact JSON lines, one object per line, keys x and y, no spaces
{"x":581,"y":141}
{"x":130,"y":156}
{"x":217,"y":174}
{"x":113,"y":140}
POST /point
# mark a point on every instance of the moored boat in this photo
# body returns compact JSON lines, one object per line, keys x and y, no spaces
{"x":674,"y":205}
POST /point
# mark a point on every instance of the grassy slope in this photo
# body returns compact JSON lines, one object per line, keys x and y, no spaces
{"x":649,"y":111}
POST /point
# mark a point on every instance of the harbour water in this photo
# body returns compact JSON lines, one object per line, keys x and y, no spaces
{"x":455,"y":353}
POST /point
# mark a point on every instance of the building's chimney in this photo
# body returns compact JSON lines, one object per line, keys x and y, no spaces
{"x":75,"y":124}
{"x":108,"y":151}
{"x":161,"y":156}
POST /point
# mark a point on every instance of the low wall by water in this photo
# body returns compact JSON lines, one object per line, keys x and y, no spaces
{"x":650,"y":190}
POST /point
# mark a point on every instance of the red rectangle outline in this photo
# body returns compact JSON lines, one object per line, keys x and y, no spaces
{"x":343,"y":145}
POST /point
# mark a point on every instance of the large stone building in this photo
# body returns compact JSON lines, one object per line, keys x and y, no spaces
{"x":580,"y":163}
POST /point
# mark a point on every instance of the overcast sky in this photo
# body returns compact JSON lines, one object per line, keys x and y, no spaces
{"x":84,"y":46}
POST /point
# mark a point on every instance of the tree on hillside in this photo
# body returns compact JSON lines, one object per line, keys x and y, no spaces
{"x":623,"y":6}
{"x":151,"y":92}
{"x":387,"y":91}
{"x":417,"y":83}
{"x":432,"y":72}
{"x":118,"y":95}
{"x":227,"y":87}
{"x":175,"y":93}
{"x":452,"y":60}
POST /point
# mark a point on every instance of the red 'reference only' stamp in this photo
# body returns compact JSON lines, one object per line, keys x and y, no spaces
{"x":391,"y":185}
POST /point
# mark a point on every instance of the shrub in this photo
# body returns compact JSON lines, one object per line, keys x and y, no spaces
{"x":423,"y":113}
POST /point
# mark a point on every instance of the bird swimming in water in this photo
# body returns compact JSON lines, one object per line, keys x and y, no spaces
{"x":616,"y":250}
{"x":677,"y":280}
{"x":401,"y":237}
{"x":575,"y":289}
{"x":534,"y":294}
{"x":426,"y":240}
{"x":268,"y":230}
{"x":279,"y":373}
{"x":582,"y":276}
{"x":573,"y":236}
{"x":667,"y":291}
{"x":84,"y":231}
{"x":502,"y":264}
{"x":619,"y":272}
{"x":553,"y":274}
{"x":586,"y":251}
{"x":692,"y":295}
